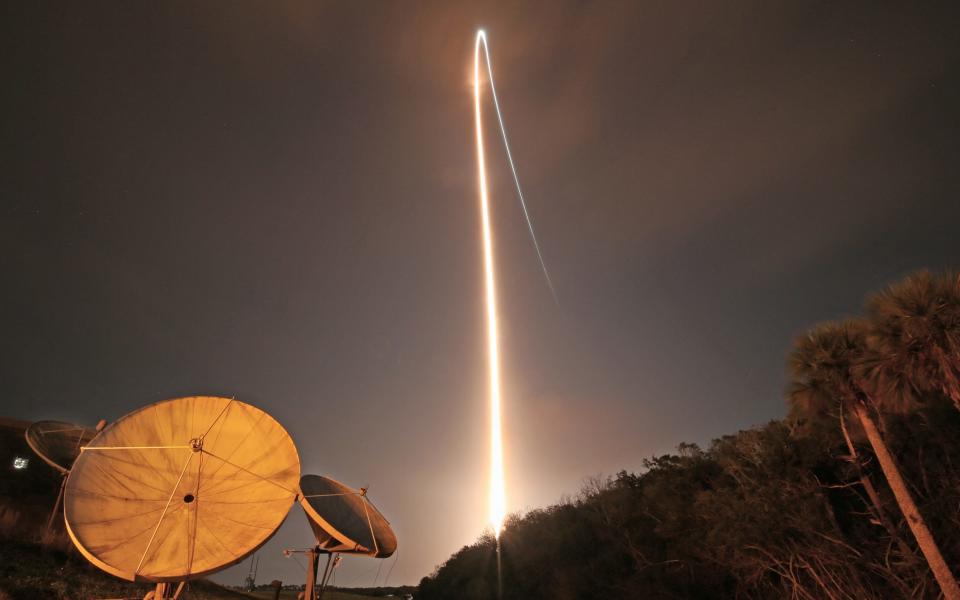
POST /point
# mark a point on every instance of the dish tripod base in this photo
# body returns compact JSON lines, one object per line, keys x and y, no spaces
{"x":311,"y":590}
{"x":166,"y":591}
{"x":56,"y":506}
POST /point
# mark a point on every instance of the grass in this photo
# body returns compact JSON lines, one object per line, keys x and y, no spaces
{"x":292,"y":595}
{"x":31,"y":570}
{"x":53,"y":571}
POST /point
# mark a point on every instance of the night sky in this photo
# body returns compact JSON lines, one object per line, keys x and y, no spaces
{"x":277,"y":202}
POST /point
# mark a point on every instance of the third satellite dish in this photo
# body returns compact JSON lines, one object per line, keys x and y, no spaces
{"x":344,"y":520}
{"x":181,"y":488}
{"x":58,"y":443}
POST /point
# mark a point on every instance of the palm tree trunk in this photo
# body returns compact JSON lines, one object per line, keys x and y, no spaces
{"x":874,"y":497}
{"x":928,"y":546}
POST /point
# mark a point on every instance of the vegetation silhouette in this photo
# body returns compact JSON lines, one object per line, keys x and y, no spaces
{"x":853,"y":495}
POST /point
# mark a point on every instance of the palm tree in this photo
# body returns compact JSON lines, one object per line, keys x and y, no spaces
{"x":877,"y":510}
{"x":825,"y":367}
{"x":915,"y":336}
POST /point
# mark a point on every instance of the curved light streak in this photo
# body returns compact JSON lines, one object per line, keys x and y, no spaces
{"x":482,"y":38}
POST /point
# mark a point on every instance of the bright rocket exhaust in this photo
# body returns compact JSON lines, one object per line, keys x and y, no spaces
{"x":498,"y":494}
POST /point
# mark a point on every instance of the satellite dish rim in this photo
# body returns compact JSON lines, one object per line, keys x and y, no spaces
{"x":63,"y":470}
{"x":315,"y":516}
{"x":136,"y":576}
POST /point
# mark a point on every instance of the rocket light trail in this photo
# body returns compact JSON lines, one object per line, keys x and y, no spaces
{"x":498,"y":496}
{"x":482,"y":37}
{"x":497,"y":499}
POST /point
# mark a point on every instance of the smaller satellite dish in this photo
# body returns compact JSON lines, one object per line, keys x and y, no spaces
{"x":58,"y":443}
{"x":344,"y":520}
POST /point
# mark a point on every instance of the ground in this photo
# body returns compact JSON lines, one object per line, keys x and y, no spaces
{"x":292,"y":595}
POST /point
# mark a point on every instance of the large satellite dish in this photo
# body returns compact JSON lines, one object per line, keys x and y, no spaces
{"x":344,"y":520}
{"x":58,"y":443}
{"x":180,"y":489}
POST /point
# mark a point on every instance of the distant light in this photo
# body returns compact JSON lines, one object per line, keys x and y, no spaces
{"x":20,"y":463}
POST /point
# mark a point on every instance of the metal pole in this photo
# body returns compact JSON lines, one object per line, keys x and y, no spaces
{"x":327,"y":571}
{"x":56,"y":505}
{"x":499,"y":573}
{"x":161,"y":591}
{"x":309,"y":591}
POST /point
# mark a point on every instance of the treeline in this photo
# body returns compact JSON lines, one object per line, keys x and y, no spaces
{"x":855,"y":495}
{"x":377,"y":592}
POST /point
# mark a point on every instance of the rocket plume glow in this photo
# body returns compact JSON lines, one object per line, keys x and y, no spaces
{"x":498,"y":495}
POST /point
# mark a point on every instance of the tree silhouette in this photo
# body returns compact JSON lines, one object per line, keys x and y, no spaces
{"x":915,"y":338}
